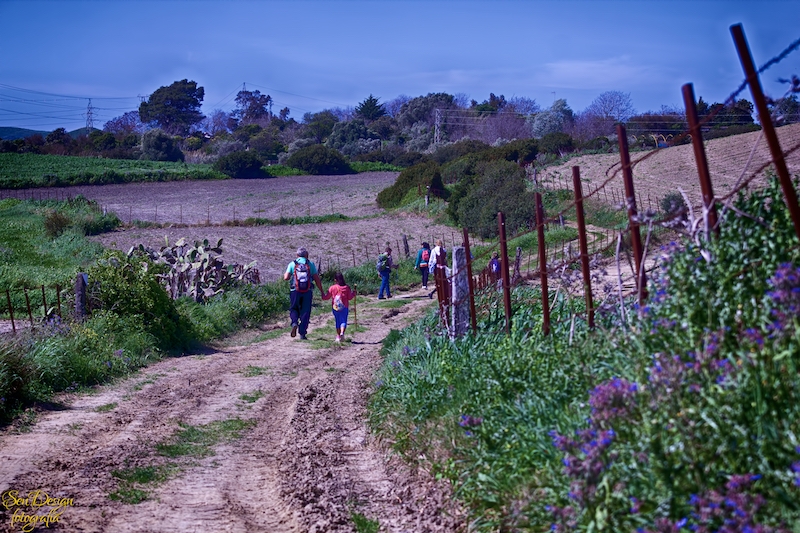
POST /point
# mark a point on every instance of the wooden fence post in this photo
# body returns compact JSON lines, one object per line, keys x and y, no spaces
{"x":405,"y":246}
{"x":44,"y":302}
{"x":700,"y":159}
{"x":587,"y":278}
{"x":630,"y":200}
{"x":28,"y":304}
{"x":472,"y":312}
{"x":501,"y":223}
{"x":542,"y":263}
{"x":751,"y":75}
{"x":11,"y":312}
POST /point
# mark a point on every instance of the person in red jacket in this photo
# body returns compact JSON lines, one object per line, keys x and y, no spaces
{"x":341,"y":295}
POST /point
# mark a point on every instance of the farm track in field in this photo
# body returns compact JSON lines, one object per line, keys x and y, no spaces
{"x":305,"y":462}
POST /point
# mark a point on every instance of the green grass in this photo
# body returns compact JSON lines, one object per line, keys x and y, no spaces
{"x":252,"y":398}
{"x":131,"y":481}
{"x":364,"y":524}
{"x":374,"y":166}
{"x":293,"y":221}
{"x":252,"y":371}
{"x":392,"y":303}
{"x":283,"y":170}
{"x":198,"y":441}
{"x":106,"y":407}
{"x":19,"y":171}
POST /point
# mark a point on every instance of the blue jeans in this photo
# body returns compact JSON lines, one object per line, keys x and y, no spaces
{"x":385,"y":284}
{"x":300,"y":309}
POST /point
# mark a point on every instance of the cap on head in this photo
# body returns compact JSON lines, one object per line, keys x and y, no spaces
{"x":302,"y":252}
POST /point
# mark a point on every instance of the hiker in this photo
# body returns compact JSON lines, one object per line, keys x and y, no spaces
{"x":423,"y":257}
{"x":494,"y":270}
{"x":384,"y":266}
{"x":438,"y":250}
{"x":341,"y":295}
{"x":301,"y":273}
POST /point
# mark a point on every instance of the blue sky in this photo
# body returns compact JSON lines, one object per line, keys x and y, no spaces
{"x":311,"y":55}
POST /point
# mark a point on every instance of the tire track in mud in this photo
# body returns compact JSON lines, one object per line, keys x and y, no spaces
{"x":307,"y":464}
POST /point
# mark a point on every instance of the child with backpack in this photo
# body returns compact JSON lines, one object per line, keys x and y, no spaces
{"x":340,"y":294}
{"x":384,"y":266}
{"x":423,"y":259}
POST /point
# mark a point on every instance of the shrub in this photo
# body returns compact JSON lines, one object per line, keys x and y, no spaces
{"x":129,"y":287}
{"x":240,"y":165}
{"x":319,"y":160}
{"x":158,"y":146}
{"x":449,"y":152}
{"x":556,"y":143}
{"x":55,"y":222}
{"x":420,"y":176}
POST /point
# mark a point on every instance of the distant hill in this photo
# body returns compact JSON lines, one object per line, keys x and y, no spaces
{"x":9,"y":134}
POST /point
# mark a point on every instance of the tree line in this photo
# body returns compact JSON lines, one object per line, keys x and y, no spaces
{"x":169,"y":126}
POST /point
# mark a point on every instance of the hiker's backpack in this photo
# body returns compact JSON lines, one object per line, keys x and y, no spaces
{"x":426,"y":255}
{"x":302,"y":276}
{"x":338,"y":304}
{"x":382,"y":263}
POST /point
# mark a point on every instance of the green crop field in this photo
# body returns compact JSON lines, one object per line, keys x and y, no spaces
{"x":19,"y":171}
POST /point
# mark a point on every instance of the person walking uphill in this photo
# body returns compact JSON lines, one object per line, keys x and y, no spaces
{"x":301,"y":273}
{"x":384,"y":266}
{"x":341,"y":295}
{"x":423,"y":257}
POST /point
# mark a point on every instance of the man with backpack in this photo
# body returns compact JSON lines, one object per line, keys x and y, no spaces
{"x":423,"y":258}
{"x":384,"y":266}
{"x":301,"y":275}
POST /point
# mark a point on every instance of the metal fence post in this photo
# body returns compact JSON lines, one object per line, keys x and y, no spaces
{"x":630,"y":200}
{"x":542,"y":263}
{"x":700,"y":158}
{"x":751,"y":75}
{"x":501,"y":223}
{"x":587,"y":279}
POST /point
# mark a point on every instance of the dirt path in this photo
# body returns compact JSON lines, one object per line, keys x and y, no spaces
{"x":304,"y":460}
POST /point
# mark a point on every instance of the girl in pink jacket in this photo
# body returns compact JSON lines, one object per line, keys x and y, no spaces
{"x":341,"y":295}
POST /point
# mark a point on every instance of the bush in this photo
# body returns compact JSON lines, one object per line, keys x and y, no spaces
{"x":240,"y":165}
{"x":55,"y":222}
{"x":497,"y":186}
{"x":420,"y":176}
{"x":127,"y":286}
{"x":319,"y":160}
{"x":556,"y":144}
{"x":158,"y":146}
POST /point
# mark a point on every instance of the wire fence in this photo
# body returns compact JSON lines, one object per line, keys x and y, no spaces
{"x":460,"y":286}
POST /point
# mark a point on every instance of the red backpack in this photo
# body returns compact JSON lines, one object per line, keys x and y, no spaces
{"x":426,"y":255}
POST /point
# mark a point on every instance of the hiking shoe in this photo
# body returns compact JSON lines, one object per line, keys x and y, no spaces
{"x":338,"y":338}
{"x":389,"y":296}
{"x":303,"y":337}
{"x":425,"y":287}
{"x":381,"y":298}
{"x":294,"y":330}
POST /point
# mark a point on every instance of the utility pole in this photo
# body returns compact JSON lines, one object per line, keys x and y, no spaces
{"x":437,"y":127}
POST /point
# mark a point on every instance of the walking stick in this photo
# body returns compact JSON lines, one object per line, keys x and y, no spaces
{"x":355,"y":310}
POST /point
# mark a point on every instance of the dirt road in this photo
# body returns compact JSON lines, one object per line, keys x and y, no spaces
{"x":262,"y":436}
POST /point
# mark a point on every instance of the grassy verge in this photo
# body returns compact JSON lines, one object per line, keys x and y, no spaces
{"x":19,"y":171}
{"x":684,"y":415}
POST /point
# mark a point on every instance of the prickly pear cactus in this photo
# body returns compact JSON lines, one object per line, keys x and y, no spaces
{"x":197,"y":270}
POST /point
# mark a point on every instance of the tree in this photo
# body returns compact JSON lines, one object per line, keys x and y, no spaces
{"x":554,"y":120}
{"x":158,"y":146}
{"x":129,"y":122}
{"x":370,"y":109}
{"x":492,"y":105}
{"x":174,"y":108}
{"x":217,"y":123}
{"x":319,"y":125}
{"x":786,"y":110}
{"x":348,"y":133}
{"x":252,"y":106}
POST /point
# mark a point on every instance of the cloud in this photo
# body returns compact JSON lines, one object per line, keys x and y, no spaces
{"x":613,"y":73}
